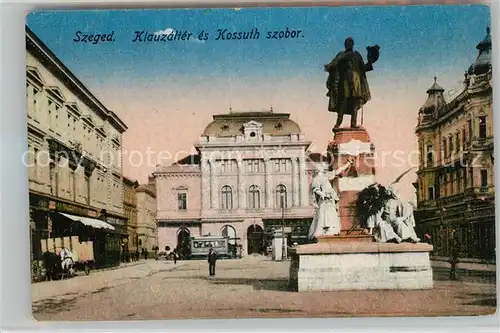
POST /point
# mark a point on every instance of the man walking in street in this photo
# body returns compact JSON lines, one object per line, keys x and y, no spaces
{"x":212,"y":258}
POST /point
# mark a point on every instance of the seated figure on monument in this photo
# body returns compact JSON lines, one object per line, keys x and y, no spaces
{"x":382,"y":230}
{"x":400,"y":216}
{"x":347,"y":85}
{"x":326,"y":221}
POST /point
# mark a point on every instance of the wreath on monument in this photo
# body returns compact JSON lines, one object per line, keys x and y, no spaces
{"x":369,"y":201}
{"x":373,"y":198}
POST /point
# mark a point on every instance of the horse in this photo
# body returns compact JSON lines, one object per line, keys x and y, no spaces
{"x":52,"y":264}
{"x":67,"y":262}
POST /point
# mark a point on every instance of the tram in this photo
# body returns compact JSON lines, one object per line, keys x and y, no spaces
{"x":200,"y":245}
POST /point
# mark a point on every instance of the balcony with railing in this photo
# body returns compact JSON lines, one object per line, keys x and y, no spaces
{"x":484,"y":143}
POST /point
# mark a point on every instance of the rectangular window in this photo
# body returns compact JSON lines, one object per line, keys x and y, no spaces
{"x":182,"y":201}
{"x":36,"y":103}
{"x":464,"y":138}
{"x":430,"y":193}
{"x":457,"y":142}
{"x":450,"y":143}
{"x":87,"y":188}
{"x":282,"y":165}
{"x":452,"y":182}
{"x":443,"y":147}
{"x":226,"y":165}
{"x":482,"y":127}
{"x":56,"y":115}
{"x":484,"y":178}
{"x":253,"y":165}
{"x":35,"y":164}
{"x":430,"y":154}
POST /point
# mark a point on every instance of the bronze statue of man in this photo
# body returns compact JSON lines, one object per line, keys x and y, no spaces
{"x":347,"y":85}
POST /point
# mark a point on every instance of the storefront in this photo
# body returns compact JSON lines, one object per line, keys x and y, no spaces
{"x":118,"y":243}
{"x":51,"y":217}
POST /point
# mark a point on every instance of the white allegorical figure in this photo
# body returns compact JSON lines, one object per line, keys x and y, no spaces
{"x":400,"y":216}
{"x":326,"y":219}
{"x":382,"y":230}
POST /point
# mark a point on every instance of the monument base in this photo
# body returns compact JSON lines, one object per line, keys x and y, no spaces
{"x":328,"y":266}
{"x":346,"y":238}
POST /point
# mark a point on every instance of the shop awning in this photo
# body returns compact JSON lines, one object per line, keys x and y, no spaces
{"x":94,"y":223}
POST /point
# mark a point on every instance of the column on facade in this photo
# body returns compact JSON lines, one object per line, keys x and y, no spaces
{"x":303,"y":188}
{"x":295,"y":182}
{"x":268,"y":176}
{"x":241,"y":190}
{"x":205,"y":184}
{"x":213,"y":188}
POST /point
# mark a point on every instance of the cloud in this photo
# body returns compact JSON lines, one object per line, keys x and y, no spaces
{"x":167,"y":31}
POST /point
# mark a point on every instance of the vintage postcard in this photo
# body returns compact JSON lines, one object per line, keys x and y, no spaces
{"x":261,"y":162}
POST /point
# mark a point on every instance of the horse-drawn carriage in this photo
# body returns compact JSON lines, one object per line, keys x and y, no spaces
{"x":63,"y":255}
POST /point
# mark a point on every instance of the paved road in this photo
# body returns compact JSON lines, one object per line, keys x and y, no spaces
{"x":249,"y":287}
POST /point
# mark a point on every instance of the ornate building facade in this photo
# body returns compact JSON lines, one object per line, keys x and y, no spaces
{"x":73,"y":157}
{"x":250,"y":176}
{"x":455,"y":186}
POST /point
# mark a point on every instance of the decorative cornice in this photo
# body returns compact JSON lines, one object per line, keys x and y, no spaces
{"x":38,"y":49}
{"x":36,"y":131}
{"x":73,"y":107}
{"x":56,"y":93}
{"x":34,"y":76}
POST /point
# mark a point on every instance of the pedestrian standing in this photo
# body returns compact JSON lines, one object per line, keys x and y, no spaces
{"x":175,"y":256}
{"x":454,"y":253}
{"x":212,"y":258}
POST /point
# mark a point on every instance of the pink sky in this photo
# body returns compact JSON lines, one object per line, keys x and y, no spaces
{"x":171,"y":116}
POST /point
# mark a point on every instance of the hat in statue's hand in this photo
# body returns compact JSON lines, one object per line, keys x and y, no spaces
{"x":373,"y":53}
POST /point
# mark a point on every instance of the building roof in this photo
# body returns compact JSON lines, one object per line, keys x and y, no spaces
{"x":146,"y":189}
{"x":231,"y":124}
{"x":435,"y":87}
{"x":190,"y":159}
{"x":130,"y":182}
{"x":38,"y":48}
{"x":435,"y":98}
{"x":483,"y":61}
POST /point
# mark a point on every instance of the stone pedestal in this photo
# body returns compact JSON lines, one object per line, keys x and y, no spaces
{"x":352,"y":260}
{"x":339,"y":265}
{"x":352,"y":143}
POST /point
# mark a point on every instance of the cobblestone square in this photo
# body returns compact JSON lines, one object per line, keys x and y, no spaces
{"x":253,"y":287}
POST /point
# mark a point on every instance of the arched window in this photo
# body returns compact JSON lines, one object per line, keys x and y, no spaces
{"x":254,"y":197}
{"x":230,"y":232}
{"x":226,"y":197}
{"x":281,"y":196}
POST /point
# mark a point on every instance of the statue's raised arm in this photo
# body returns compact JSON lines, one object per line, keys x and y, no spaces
{"x":341,"y":169}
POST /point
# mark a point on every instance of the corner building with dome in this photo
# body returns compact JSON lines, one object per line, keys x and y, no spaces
{"x":455,"y":177}
{"x":249,"y":179}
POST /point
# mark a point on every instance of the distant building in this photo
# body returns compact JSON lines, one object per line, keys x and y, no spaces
{"x":70,"y":180}
{"x":130,"y":208}
{"x":146,"y":217}
{"x":455,"y":186}
{"x":249,"y":165}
